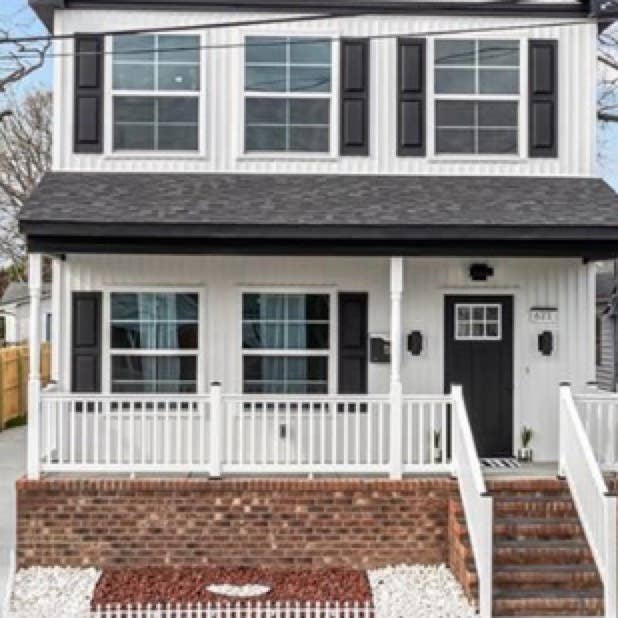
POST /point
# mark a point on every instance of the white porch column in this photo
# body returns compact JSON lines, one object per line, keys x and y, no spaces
{"x":34,"y":375}
{"x":396,"y":425}
{"x":56,"y":319}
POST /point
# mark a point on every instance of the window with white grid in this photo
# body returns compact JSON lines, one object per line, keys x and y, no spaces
{"x":477,"y":96}
{"x":478,"y":321}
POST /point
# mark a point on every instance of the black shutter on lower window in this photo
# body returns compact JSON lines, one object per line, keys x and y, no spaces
{"x":354,"y":138}
{"x":543,"y":93}
{"x":88,"y":121}
{"x":86,"y":342}
{"x":411,"y":97}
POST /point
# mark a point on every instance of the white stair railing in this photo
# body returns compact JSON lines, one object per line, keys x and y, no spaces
{"x":595,"y":506}
{"x":477,"y":503}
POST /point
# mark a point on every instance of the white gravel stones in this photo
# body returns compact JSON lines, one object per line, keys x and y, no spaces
{"x":53,"y":592}
{"x":230,"y":590}
{"x":420,"y":591}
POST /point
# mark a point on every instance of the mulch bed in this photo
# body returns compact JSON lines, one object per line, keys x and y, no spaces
{"x":188,"y":585}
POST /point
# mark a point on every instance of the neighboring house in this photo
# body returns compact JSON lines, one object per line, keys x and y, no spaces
{"x":279,"y":243}
{"x":606,"y":331}
{"x":15,"y":313}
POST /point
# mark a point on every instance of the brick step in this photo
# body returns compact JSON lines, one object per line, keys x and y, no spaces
{"x":548,"y":577}
{"x":548,"y":603}
{"x":520,"y":528}
{"x":528,"y":487}
{"x":538,"y":552}
{"x":537,"y":507}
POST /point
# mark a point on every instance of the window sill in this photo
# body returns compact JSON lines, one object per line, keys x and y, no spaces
{"x":141,"y":155}
{"x":477,"y":159}
{"x":292,"y":158}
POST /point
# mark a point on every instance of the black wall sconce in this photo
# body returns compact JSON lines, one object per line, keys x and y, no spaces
{"x":481,"y":272}
{"x":546,"y":342}
{"x":415,"y":343}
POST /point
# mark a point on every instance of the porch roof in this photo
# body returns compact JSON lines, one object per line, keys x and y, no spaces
{"x":302,"y":213}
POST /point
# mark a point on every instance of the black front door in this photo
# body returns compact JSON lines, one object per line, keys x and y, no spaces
{"x":479,"y":355}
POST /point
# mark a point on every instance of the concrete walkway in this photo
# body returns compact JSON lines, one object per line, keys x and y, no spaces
{"x":12,"y":466}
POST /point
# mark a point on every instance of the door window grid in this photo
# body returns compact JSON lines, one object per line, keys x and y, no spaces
{"x":478,"y":322}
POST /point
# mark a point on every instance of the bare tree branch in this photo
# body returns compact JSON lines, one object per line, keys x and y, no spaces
{"x":25,"y":155}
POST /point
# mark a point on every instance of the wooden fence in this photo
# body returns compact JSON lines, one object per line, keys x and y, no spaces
{"x":14,"y":380}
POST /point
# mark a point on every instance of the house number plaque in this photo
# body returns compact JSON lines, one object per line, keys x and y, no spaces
{"x":544,"y":315}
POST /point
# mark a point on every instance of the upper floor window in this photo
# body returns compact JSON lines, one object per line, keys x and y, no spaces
{"x":476,"y":88}
{"x":155,"y":89}
{"x":287,"y":94}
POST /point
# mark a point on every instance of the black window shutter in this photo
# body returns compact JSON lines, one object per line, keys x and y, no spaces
{"x":86,"y":342}
{"x":543,"y":93}
{"x":411,"y":97}
{"x":88,"y":121}
{"x":354,"y":139}
{"x":353,"y":342}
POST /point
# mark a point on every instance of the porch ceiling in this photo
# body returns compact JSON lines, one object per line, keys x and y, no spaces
{"x":257,"y":213}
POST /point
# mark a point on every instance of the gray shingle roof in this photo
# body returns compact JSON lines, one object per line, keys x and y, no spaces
{"x":320,"y":200}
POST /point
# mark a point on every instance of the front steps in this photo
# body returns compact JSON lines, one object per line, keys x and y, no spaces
{"x":542,"y":563}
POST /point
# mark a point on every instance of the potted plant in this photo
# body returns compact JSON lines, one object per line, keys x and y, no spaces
{"x":524,"y":454}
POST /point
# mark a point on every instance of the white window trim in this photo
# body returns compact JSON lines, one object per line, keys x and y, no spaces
{"x":522,"y":98}
{"x":108,"y":111}
{"x":472,"y":306}
{"x":332,"y":331}
{"x":107,"y":351}
{"x":334,"y":95}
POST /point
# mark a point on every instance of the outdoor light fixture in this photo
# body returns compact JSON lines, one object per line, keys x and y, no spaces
{"x":481,"y":272}
{"x":415,"y":343}
{"x":546,"y":342}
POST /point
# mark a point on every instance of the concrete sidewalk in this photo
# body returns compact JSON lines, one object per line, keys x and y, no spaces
{"x":12,"y":466}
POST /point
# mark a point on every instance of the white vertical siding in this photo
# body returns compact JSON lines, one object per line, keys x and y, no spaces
{"x":223,"y":74}
{"x":550,"y":282}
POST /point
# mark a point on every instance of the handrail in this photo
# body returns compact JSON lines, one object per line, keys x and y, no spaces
{"x":597,"y":509}
{"x":477,"y":503}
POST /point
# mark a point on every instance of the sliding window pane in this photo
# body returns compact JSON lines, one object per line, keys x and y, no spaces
{"x":134,"y":137}
{"x":154,"y":374}
{"x":266,"y":78}
{"x":179,"y":48}
{"x":179,"y":77}
{"x":499,"y":53}
{"x":495,"y":141}
{"x":454,"y":52}
{"x":455,"y":141}
{"x":455,"y":81}
{"x":265,"y":139}
{"x":134,"y":77}
{"x":134,"y":48}
{"x":310,"y":51}
{"x":498,"y":81}
{"x":309,"y":139}
{"x":310,"y":79}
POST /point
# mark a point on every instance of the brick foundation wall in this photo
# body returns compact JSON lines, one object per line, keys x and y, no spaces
{"x":284,"y":523}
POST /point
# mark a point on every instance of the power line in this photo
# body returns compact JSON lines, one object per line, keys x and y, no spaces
{"x":208,"y":26}
{"x":427,"y":33}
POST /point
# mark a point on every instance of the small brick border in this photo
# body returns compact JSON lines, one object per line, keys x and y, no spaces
{"x":290,"y":523}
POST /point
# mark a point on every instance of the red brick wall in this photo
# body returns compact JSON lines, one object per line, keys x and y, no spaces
{"x":298,"y":523}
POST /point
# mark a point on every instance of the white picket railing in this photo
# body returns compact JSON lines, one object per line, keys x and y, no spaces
{"x":599,"y":414}
{"x":259,"y":609}
{"x":597,"y":509}
{"x":477,"y":503}
{"x":255,"y":434}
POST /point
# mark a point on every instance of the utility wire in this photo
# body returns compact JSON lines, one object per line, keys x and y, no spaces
{"x":238,"y":23}
{"x":395,"y":35}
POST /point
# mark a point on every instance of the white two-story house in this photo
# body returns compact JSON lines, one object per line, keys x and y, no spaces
{"x":310,"y":238}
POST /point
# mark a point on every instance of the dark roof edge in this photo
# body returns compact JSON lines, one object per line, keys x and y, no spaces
{"x":591,"y":250}
{"x":45,"y":8}
{"x":274,"y":231}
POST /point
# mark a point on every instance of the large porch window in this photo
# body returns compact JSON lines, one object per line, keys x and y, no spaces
{"x":154,"y":342}
{"x":286,"y":343}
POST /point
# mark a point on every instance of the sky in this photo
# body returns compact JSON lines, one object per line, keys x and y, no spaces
{"x":24,"y":21}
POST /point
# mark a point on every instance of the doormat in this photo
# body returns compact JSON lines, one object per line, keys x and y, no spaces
{"x":499,"y":462}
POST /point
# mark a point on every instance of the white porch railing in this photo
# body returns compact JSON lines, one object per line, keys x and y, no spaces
{"x":597,"y":509}
{"x":240,"y":434}
{"x":599,"y":414}
{"x":477,"y":503}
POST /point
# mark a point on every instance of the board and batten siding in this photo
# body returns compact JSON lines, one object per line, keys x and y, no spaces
{"x":562,"y":283}
{"x":222,"y":118}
